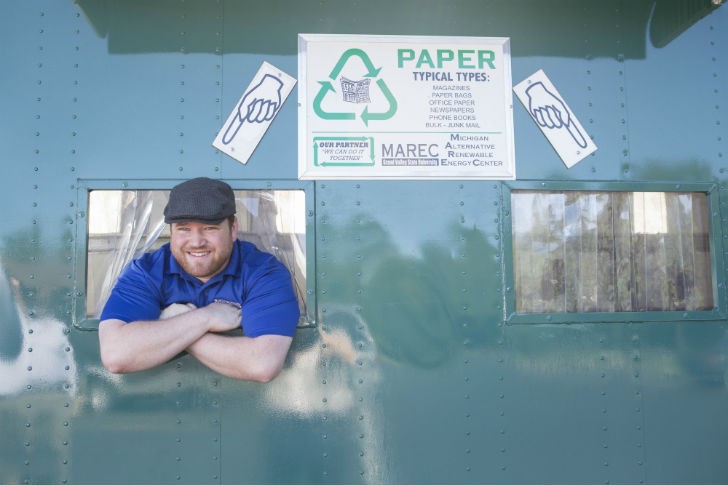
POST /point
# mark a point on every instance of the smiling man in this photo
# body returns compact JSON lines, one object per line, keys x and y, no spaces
{"x":205,"y":282}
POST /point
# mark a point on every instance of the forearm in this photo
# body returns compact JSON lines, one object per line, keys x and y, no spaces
{"x":257,"y":359}
{"x":136,"y":346}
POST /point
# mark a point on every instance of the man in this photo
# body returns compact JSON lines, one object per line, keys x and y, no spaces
{"x":203,"y":283}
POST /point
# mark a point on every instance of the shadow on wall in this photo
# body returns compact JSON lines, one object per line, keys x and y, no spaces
{"x":420,"y":311}
{"x":196,"y":26}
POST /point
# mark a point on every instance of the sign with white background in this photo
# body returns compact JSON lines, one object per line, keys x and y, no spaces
{"x":556,"y":120}
{"x":405,"y":107}
{"x":254,"y":112}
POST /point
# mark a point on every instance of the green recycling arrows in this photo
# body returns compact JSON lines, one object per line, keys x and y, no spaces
{"x":328,"y":88}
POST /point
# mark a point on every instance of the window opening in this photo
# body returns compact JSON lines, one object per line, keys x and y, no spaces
{"x":123,"y":224}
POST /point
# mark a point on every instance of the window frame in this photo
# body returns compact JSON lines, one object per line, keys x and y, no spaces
{"x":80,"y":260}
{"x":718,"y":312}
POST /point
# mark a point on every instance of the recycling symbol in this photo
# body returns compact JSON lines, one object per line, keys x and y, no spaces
{"x":354,"y":91}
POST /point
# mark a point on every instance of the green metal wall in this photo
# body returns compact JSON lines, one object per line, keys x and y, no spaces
{"x":411,"y":374}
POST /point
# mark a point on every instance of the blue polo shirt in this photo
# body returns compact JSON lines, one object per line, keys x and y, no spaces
{"x":254,"y":279}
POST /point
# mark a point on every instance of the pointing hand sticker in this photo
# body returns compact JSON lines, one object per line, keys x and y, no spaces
{"x":254,"y":113}
{"x":258,"y":105}
{"x":550,"y":112}
{"x":553,"y":116}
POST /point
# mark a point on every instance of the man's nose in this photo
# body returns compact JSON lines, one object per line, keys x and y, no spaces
{"x":197,"y":238}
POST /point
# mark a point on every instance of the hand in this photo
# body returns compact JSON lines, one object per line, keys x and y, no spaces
{"x":550,"y":112}
{"x":222,"y":317}
{"x":175,"y":309}
{"x":258,"y":105}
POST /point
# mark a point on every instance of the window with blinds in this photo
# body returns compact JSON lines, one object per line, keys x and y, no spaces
{"x":610,"y":251}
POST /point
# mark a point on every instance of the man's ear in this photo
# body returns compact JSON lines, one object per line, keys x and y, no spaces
{"x":234,"y":228}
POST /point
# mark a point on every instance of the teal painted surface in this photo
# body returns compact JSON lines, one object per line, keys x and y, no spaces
{"x":411,"y":376}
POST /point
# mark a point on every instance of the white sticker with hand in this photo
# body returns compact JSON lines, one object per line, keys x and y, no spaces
{"x":551,"y":113}
{"x":254,"y":112}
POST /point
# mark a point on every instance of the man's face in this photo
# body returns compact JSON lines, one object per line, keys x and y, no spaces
{"x":203,"y":249}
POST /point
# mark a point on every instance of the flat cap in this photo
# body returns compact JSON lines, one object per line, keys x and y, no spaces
{"x":200,"y":200}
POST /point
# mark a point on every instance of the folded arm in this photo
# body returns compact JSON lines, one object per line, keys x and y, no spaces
{"x":140,"y":345}
{"x":257,"y":359}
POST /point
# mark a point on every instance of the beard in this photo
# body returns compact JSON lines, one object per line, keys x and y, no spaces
{"x":203,"y":262}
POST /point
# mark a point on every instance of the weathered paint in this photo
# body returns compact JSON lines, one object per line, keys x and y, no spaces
{"x":411,"y":374}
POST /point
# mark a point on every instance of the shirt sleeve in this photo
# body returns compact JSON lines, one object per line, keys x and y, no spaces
{"x":134,"y":297}
{"x":270,"y":306}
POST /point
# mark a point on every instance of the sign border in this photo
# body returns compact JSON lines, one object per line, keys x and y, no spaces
{"x":306,"y":168}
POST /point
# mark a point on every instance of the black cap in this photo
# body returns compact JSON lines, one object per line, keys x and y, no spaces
{"x":200,"y":200}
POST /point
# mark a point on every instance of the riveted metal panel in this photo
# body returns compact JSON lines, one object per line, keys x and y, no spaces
{"x":410,"y":374}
